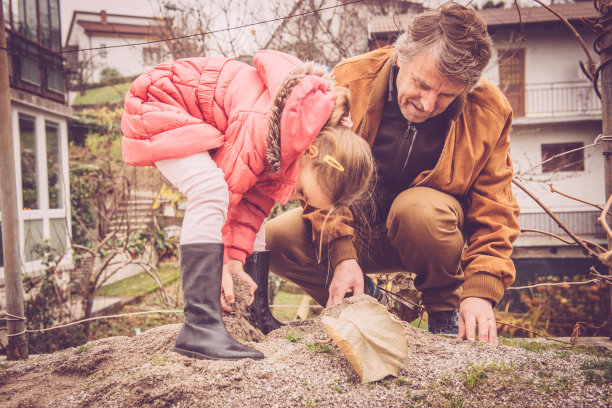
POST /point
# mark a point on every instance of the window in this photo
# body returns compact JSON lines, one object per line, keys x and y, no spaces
{"x":512,"y":78}
{"x":55,"y":79}
{"x":54,"y":165}
{"x":7,"y":14}
{"x":45,"y":32}
{"x":572,"y":161}
{"x":30,"y":70}
{"x":43,"y":189}
{"x":31,"y":20}
{"x":55,"y":25}
{"x":29,"y":162}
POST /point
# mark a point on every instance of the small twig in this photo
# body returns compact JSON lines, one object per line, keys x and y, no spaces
{"x":565,"y":241}
{"x":592,"y":69}
{"x":552,"y":284}
{"x":598,"y":140}
{"x":554,"y":190}
{"x":561,"y":225}
{"x":602,"y":217}
{"x":533,"y":332}
{"x":579,"y":327}
{"x":604,"y":278}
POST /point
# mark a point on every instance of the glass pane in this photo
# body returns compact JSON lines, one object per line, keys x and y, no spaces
{"x":55,"y":25}
{"x":29,"y":166}
{"x":55,"y":80}
{"x":33,"y":236}
{"x":18,"y":15}
{"x":30,"y":70}
{"x":31,"y":20}
{"x":54,"y":165}
{"x":7,"y":13}
{"x":45,"y":33}
{"x":58,"y":235}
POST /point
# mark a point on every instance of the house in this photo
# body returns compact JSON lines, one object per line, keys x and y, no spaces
{"x":89,"y":30}
{"x":555,"y":110}
{"x":39,"y":128}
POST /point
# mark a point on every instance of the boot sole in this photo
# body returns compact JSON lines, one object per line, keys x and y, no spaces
{"x":200,"y":356}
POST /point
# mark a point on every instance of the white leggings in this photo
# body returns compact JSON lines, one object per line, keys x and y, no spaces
{"x":200,"y":180}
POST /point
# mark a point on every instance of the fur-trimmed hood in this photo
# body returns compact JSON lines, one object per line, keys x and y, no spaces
{"x":302,"y":102}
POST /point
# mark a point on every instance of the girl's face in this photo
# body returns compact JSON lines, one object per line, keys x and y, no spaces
{"x":308,"y":189}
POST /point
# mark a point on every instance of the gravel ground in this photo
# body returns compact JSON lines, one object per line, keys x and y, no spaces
{"x":142,"y":371}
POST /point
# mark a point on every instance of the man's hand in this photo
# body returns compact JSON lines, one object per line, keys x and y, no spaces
{"x":234,"y":267}
{"x":477,"y":312}
{"x":348,"y":277}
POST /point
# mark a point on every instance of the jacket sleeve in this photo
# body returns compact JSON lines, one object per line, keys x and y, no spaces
{"x":244,"y":221}
{"x":332,"y":232}
{"x":491,"y":226}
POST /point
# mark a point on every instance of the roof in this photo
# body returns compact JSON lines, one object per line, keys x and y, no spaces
{"x":508,"y":16}
{"x":495,"y":17}
{"x":93,"y":27}
{"x":80,"y":17}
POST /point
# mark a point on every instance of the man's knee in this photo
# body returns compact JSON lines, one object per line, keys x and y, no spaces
{"x":422,"y":214}
{"x":282,"y":231}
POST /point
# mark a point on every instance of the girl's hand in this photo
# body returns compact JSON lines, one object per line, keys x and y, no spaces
{"x":234,"y":267}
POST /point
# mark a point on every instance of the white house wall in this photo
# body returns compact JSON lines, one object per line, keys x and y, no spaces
{"x":588,"y":185}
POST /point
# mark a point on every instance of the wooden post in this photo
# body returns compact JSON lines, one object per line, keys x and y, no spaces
{"x":606,"y":113}
{"x":17,"y":344}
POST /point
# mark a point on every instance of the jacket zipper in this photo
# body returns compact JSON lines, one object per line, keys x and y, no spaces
{"x":401,"y":153}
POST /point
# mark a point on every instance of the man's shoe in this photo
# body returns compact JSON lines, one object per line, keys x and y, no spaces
{"x":444,"y":322}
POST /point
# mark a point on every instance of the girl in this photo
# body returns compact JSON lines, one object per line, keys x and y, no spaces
{"x":234,"y":139}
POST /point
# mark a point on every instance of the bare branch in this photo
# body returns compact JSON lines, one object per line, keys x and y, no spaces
{"x":561,"y":225}
{"x":602,"y":217}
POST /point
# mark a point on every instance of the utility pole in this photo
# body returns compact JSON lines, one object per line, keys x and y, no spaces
{"x":17,"y":344}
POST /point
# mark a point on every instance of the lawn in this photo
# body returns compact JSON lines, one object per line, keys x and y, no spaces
{"x":145,"y":289}
{"x":108,"y":94}
{"x":142,"y":283}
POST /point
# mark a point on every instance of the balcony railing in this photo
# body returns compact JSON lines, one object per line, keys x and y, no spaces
{"x":581,"y":223}
{"x":561,"y":99}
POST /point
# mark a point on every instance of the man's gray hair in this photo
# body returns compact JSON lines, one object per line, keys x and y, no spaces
{"x":456,"y":35}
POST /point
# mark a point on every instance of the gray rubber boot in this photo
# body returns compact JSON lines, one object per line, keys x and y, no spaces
{"x":203,"y":334}
{"x":258,"y":268}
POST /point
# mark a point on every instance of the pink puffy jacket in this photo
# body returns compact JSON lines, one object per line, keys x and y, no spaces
{"x":221,"y":105}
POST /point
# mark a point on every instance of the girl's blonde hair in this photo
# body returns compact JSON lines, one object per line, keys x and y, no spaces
{"x":352,"y":184}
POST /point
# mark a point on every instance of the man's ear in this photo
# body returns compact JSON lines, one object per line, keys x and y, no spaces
{"x":312,"y":151}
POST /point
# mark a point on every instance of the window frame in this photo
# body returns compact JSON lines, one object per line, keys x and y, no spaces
{"x":43,"y":213}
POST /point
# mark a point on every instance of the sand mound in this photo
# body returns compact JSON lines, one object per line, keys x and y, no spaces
{"x":142,"y":371}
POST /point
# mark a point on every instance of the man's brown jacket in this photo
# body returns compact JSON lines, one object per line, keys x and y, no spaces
{"x":474,"y":163}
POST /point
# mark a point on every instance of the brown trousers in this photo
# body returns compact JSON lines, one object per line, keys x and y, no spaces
{"x":423,"y":235}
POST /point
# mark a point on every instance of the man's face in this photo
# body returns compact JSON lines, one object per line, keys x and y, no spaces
{"x":422,"y":92}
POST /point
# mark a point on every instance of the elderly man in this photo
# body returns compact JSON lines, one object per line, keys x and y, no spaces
{"x":444,"y":203}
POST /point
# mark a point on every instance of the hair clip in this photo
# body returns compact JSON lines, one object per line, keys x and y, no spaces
{"x":333,"y":162}
{"x":346,"y":121}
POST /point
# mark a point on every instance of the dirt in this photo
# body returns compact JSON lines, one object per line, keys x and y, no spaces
{"x":299,"y":370}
